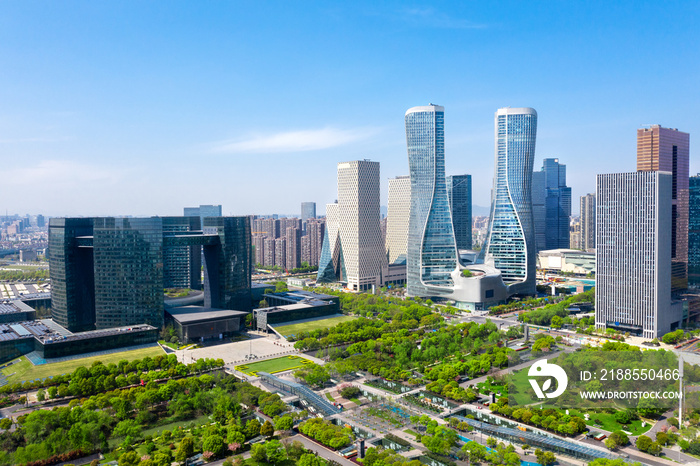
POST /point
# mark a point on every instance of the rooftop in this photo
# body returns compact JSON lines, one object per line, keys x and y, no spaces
{"x":191,"y":314}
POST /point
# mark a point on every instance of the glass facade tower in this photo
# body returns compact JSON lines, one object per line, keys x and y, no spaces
{"x":459,"y":193}
{"x":510,"y":241}
{"x":551,"y":206}
{"x":694,"y":232}
{"x":432,"y":253}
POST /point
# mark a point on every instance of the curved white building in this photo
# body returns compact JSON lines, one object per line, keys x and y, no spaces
{"x":510,"y":242}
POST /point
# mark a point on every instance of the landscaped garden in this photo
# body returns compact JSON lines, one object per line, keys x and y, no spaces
{"x":272,"y":366}
{"x":310,"y":326}
{"x":24,"y":370}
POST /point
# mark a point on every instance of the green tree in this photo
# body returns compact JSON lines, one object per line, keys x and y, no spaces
{"x":267,"y":429}
{"x":643,"y":443}
{"x":252,"y":428}
{"x":129,"y":458}
{"x":557,"y":322}
{"x":258,"y":453}
{"x":308,"y":459}
{"x":545,"y":458}
{"x":184,"y":450}
{"x":214,"y":444}
{"x":284,"y":423}
{"x":275,"y":452}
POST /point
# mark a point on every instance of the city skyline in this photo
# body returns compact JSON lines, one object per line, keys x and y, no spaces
{"x":106,"y":108}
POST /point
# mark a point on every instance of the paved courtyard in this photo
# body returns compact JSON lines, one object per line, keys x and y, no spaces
{"x":237,"y":352}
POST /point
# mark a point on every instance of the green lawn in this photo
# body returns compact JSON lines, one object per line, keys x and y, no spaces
{"x":25,"y":370}
{"x":272,"y":366}
{"x":294,"y":329}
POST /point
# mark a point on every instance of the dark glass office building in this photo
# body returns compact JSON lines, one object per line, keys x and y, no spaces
{"x":182,"y":265}
{"x":227,"y":263}
{"x":109,"y":272}
{"x":459,"y":193}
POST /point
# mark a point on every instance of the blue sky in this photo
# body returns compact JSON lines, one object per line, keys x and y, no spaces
{"x":141,"y":108}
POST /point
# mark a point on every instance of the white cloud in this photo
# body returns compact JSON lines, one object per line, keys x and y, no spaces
{"x":295,"y":141}
{"x":57,"y":173}
{"x":436,"y":19}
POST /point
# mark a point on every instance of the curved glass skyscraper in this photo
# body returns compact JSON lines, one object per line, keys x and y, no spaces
{"x":432,"y":253}
{"x":510,"y":243}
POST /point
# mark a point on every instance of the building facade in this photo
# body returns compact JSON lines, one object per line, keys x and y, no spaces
{"x":182,"y":265}
{"x":431,"y":252}
{"x":353,"y":251}
{"x":293,"y":247}
{"x":665,"y":149}
{"x":551,"y":206}
{"x":588,"y":211}
{"x":510,"y":242}
{"x":633,"y":254}
{"x":694,"y":231}
{"x":398,"y":213}
{"x":459,"y":194}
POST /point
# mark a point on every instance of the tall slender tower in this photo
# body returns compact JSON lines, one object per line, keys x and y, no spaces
{"x":459,"y":193}
{"x":432,"y":253}
{"x":587,"y":222}
{"x":665,"y":149}
{"x":510,"y":242}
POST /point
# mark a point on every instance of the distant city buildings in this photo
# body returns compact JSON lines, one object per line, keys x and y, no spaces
{"x":308,"y":211}
{"x":203,"y":211}
{"x":398,"y":213}
{"x":353,"y":250}
{"x":665,"y":149}
{"x":510,"y":245}
{"x":633,"y":253}
{"x":588,"y":212}
{"x":551,"y":206}
{"x":459,"y":195}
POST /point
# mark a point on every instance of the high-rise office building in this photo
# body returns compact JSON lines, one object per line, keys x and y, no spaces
{"x":40,"y":221}
{"x":633,"y":254}
{"x":432,"y":253}
{"x":182,"y":265}
{"x":551,"y":206}
{"x":353,"y":240}
{"x":308,"y":211}
{"x":694,"y":231}
{"x":665,"y":149}
{"x":459,"y":194}
{"x":398,"y":213}
{"x":510,"y":242}
{"x":587,"y":222}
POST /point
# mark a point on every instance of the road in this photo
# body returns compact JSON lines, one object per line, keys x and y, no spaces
{"x":321,"y":451}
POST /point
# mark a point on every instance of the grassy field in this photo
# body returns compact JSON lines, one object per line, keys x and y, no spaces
{"x":25,"y":370}
{"x":608,"y":422}
{"x":294,"y":329}
{"x":272,"y":366}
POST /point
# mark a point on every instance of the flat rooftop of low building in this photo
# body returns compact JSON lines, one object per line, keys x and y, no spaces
{"x":191,"y":314}
{"x":301,"y":295}
{"x":13,"y":307}
{"x":554,"y":252}
{"x":289,"y":307}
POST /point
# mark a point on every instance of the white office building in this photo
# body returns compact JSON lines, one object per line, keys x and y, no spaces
{"x":353,"y":249}
{"x":633,"y":254}
{"x":398,"y":214}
